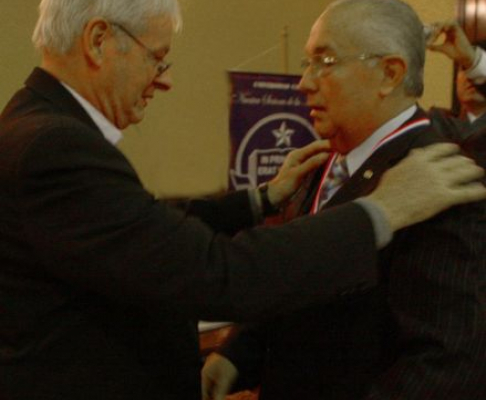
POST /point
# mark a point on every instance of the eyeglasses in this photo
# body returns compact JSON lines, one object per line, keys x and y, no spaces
{"x":161,"y":66}
{"x":321,"y":64}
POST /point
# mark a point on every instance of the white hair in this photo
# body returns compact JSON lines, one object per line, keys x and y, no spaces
{"x":389,"y":27}
{"x":61,"y":21}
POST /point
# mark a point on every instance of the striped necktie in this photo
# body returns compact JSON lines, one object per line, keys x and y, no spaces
{"x":338,"y":174}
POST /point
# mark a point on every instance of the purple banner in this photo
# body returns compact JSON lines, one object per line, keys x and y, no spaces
{"x":268,"y":118}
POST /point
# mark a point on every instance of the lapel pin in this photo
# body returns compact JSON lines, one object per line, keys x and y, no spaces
{"x":368,"y":174}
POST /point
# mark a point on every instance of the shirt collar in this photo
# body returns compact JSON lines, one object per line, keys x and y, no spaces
{"x":111,"y":133}
{"x":356,"y":157}
{"x":471,"y":117}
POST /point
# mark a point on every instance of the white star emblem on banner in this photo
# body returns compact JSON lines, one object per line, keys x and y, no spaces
{"x":283,"y":134}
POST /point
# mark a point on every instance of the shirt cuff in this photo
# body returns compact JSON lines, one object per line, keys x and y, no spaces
{"x":477,"y":73}
{"x":381,"y":226}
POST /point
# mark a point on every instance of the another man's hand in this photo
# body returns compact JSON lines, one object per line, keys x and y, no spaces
{"x":426,"y":182}
{"x":217,"y":377}
{"x":296,"y":166}
{"x":455,"y":45}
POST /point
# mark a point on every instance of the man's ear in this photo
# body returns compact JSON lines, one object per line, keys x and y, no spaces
{"x":394,"y":72}
{"x":94,"y":36}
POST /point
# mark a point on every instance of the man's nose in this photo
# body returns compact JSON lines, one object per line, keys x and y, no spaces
{"x":163,"y":81}
{"x":307,"y":81}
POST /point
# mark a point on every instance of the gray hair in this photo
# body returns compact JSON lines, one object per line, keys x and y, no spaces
{"x":389,"y":27}
{"x":61,"y":21}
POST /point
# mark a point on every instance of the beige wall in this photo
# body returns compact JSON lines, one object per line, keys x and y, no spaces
{"x":181,"y":148}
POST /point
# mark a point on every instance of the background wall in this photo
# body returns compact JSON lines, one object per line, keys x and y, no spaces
{"x":182,"y":146}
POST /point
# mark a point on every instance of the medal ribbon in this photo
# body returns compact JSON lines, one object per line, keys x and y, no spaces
{"x":393,"y":135}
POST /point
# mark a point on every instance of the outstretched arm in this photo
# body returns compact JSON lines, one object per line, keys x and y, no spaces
{"x":428,"y":181}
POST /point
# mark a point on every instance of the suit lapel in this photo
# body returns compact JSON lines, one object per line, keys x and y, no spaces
{"x":366,"y":178}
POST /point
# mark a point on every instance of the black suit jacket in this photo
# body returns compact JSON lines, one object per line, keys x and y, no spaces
{"x":475,"y":146}
{"x":471,"y":136}
{"x":101,"y":284}
{"x":421,"y":334}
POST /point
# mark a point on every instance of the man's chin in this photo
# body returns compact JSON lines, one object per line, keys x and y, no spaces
{"x":137,"y":116}
{"x":324,"y":131}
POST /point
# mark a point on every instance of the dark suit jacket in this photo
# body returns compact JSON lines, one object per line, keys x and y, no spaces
{"x":471,"y":136}
{"x":420,"y":335}
{"x":475,"y":146}
{"x":101,"y":284}
{"x":455,"y":127}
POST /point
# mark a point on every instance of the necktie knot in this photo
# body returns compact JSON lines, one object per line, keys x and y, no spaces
{"x":339,"y":170}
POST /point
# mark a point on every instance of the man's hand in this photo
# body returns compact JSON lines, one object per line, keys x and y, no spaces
{"x":426,"y":182}
{"x":456,"y":45}
{"x":217,"y":377}
{"x":296,"y":166}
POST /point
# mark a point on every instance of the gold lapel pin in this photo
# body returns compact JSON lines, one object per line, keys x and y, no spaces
{"x":368,"y":174}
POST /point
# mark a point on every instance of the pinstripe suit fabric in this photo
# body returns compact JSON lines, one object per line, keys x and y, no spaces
{"x":421,"y":334}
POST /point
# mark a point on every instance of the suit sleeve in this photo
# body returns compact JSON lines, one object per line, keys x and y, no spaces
{"x":246,"y":351}
{"x":91,"y":225}
{"x":478,"y":72}
{"x":228,"y":213}
{"x":437,"y":278}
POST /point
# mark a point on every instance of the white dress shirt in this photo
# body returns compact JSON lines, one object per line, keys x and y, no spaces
{"x":110,"y":131}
